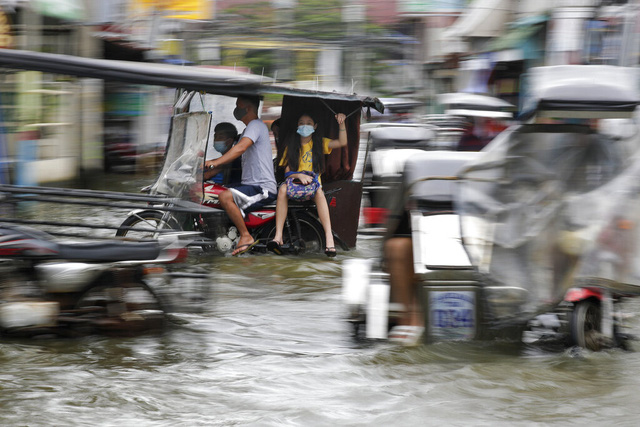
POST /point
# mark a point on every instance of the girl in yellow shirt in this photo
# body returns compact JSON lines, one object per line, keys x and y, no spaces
{"x":305,"y":151}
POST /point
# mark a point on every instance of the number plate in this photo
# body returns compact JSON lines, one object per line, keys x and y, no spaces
{"x":452,"y":315}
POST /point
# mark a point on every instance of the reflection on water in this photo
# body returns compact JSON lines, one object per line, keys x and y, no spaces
{"x":272,"y":348}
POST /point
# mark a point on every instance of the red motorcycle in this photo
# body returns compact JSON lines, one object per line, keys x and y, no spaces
{"x":594,"y":317}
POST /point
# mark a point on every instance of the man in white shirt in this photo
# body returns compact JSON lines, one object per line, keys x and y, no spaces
{"x":258,"y":185}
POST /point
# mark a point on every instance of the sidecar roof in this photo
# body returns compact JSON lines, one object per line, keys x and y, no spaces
{"x":475,"y":105}
{"x":215,"y":81}
{"x":583,"y":91}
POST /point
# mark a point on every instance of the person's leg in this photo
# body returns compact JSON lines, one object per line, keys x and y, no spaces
{"x":230,"y":207}
{"x":325,"y":219}
{"x":282,"y":205}
{"x":398,"y":253}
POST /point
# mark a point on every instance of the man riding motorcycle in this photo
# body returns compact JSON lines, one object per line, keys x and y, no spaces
{"x":258,"y":185}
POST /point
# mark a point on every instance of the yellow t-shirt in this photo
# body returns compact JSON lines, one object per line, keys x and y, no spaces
{"x":306,"y":156}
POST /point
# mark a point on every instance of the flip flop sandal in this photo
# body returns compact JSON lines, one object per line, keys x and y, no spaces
{"x":245,"y":248}
{"x":330,"y":251}
{"x":274,"y":247}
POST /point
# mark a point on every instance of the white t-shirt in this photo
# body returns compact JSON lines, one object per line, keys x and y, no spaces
{"x":257,"y":163}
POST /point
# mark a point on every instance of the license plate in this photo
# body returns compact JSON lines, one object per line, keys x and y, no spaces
{"x":452,"y":315}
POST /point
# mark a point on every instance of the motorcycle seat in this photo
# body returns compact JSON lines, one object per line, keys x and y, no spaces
{"x":109,"y":251}
{"x":25,"y":242}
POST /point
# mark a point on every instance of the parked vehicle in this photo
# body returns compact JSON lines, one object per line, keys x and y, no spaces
{"x":70,"y":289}
{"x":543,"y":220}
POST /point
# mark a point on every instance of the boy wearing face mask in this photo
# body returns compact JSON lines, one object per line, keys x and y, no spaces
{"x":224,"y":136}
{"x":258,"y":184}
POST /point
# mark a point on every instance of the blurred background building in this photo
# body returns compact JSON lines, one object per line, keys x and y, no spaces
{"x":62,"y":126}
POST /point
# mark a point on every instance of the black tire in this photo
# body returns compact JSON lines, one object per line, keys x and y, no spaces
{"x":312,"y":239}
{"x":146,"y":219}
{"x":585,"y":325}
{"x":122,"y":309}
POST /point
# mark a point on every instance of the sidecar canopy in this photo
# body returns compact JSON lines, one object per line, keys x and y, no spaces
{"x":475,"y":105}
{"x":582,"y":91}
{"x":210,"y":80}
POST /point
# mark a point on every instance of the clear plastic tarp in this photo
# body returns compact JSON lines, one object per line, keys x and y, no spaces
{"x":182,"y":173}
{"x":550,"y":206}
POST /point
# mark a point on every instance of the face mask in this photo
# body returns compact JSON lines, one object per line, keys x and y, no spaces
{"x":305,"y":130}
{"x":220,"y":146}
{"x":239,"y":113}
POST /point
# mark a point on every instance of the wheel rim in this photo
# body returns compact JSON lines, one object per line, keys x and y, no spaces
{"x":586,"y":325}
{"x":148,"y":223}
{"x":592,"y":327}
{"x":312,"y":240}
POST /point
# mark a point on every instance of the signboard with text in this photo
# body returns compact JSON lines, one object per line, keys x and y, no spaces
{"x":174,"y":9}
{"x":430,"y":6}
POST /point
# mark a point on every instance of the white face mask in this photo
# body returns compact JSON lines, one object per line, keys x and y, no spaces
{"x":305,"y":130}
{"x":220,"y":146}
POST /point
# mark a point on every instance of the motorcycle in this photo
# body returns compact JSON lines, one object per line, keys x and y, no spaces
{"x":50,"y":288}
{"x":542,"y":221}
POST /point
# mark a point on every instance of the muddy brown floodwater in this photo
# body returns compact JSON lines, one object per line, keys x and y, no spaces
{"x":271,"y":347}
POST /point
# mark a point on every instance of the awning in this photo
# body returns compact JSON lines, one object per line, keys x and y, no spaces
{"x":518,"y":34}
{"x":261,"y":44}
{"x":482,"y":18}
{"x":70,"y":10}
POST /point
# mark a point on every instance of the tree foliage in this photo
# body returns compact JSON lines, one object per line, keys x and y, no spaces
{"x":309,"y":19}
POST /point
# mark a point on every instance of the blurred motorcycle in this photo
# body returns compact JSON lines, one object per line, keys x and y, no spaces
{"x":71,"y":289}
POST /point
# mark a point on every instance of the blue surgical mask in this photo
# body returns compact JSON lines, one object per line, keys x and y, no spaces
{"x":305,"y":130}
{"x":220,"y":146}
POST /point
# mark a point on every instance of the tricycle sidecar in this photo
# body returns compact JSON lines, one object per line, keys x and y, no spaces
{"x":448,"y":287}
{"x":190,"y":123}
{"x":182,"y":177}
{"x":389,"y":145}
{"x":548,"y":207}
{"x":540,"y":209}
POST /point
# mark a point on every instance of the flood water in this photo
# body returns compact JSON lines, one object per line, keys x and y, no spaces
{"x":271,"y":347}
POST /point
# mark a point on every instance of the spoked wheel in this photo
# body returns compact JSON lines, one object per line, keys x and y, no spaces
{"x":122,"y":309}
{"x":146,"y":223}
{"x":311,"y":239}
{"x":586,"y":325}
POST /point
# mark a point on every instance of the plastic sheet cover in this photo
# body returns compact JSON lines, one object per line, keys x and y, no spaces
{"x":182,"y":172}
{"x":547,"y":207}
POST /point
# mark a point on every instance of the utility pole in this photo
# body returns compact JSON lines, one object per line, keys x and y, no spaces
{"x":353,"y":14}
{"x":284,"y":16}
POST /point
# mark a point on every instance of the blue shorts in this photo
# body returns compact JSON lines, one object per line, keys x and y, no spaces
{"x":251,"y":197}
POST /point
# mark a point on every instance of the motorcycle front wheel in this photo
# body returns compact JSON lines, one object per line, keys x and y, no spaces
{"x":146,"y":224}
{"x":585,"y":325}
{"x":311,"y":239}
